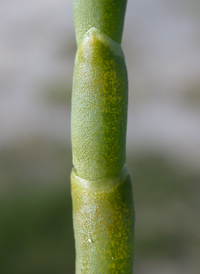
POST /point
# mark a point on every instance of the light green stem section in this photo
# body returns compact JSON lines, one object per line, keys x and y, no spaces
{"x":105,"y":15}
{"x":103,"y":217}
{"x":99,"y":107}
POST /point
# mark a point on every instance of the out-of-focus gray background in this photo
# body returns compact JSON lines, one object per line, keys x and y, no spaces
{"x":161,"y":42}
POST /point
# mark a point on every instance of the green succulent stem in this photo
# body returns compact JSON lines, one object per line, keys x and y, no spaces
{"x":99,"y":107}
{"x":105,"y":15}
{"x":103,"y":224}
{"x":103,"y":212}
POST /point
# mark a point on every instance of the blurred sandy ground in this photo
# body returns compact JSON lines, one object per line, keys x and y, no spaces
{"x":162,"y":48}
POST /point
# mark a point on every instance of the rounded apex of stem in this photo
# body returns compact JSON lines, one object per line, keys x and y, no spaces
{"x":91,"y":40}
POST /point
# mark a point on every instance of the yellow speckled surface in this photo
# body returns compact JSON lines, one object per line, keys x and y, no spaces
{"x":103,"y":224}
{"x":99,"y":107}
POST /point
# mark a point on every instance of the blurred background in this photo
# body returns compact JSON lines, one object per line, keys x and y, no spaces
{"x":161,"y":42}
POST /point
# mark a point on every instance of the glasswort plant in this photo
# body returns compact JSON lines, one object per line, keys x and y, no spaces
{"x":103,"y":213}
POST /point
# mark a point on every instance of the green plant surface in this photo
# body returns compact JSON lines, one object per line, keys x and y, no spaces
{"x":103,"y":224}
{"x":103,"y":213}
{"x":105,"y":15}
{"x":99,"y":107}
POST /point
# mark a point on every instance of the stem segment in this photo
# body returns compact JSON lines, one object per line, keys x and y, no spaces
{"x":103,"y":224}
{"x":99,"y":107}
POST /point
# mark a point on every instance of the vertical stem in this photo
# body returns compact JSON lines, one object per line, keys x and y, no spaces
{"x":103,"y":211}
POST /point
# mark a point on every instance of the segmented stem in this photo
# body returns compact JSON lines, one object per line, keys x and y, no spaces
{"x":103,"y":211}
